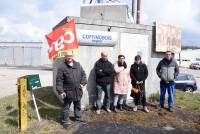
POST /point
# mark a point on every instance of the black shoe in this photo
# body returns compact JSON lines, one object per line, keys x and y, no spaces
{"x":79,"y":120}
{"x":115,"y":109}
{"x":120,"y":107}
{"x":162,"y":106}
{"x":66,"y":125}
{"x":170,"y":109}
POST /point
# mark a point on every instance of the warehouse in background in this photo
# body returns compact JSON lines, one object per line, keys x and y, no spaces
{"x":24,"y":54}
{"x":188,"y":55}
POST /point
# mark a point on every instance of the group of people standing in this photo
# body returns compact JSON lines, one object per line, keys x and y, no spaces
{"x":71,"y":79}
{"x":119,"y":76}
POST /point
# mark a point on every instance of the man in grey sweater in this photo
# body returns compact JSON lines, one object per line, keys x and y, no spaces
{"x":167,"y":70}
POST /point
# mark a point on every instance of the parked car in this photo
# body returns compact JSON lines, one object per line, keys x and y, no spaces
{"x":186,"y":82}
{"x":195,"y":66}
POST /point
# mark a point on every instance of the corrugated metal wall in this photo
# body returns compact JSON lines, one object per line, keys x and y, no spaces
{"x":20,"y":55}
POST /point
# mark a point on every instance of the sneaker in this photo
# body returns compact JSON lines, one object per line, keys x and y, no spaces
{"x":135,"y":109}
{"x":146,"y":109}
{"x":108,"y":110}
{"x":98,"y":111}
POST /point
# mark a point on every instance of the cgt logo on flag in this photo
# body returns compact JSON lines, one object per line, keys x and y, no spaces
{"x":61,"y":39}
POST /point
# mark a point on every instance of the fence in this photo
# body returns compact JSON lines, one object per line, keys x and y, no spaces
{"x":20,"y":55}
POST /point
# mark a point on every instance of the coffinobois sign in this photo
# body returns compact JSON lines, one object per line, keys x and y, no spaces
{"x":98,"y":38}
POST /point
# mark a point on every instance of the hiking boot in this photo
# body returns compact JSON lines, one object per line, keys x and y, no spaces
{"x":135,"y":109}
{"x":170,"y":109}
{"x":108,"y":110}
{"x":98,"y":111}
{"x":146,"y":109}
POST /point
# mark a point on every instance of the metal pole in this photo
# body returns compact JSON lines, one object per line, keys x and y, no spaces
{"x":36,"y":108}
{"x":138,"y":11}
{"x":133,"y":9}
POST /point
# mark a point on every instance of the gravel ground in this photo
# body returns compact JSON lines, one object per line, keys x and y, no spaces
{"x":127,"y":128}
{"x":9,"y":75}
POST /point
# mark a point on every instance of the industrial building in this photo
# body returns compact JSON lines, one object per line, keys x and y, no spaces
{"x":126,"y":38}
{"x":188,"y":56}
{"x":24,"y":53}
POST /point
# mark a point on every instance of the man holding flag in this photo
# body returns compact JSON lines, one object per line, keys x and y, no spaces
{"x":70,"y":78}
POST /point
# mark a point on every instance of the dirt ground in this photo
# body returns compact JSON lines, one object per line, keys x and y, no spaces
{"x":181,"y":121}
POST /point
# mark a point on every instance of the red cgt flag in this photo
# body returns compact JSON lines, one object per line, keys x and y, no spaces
{"x":61,"y":39}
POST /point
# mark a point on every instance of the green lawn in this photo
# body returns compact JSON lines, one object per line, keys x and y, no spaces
{"x":187,"y":100}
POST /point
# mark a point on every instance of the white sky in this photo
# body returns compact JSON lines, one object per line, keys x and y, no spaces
{"x":31,"y":19}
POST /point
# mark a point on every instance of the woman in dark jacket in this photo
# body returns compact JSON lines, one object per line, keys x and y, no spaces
{"x":139,"y":74}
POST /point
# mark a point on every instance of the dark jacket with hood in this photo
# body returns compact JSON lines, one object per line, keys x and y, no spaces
{"x":167,"y":70}
{"x":68,"y":80}
{"x":104,"y":72}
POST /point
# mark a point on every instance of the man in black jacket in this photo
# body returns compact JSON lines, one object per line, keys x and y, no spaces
{"x":104,"y":78}
{"x":70,"y":80}
{"x":139,"y":74}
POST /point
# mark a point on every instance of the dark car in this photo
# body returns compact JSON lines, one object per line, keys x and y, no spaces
{"x":186,"y":82}
{"x":195,"y":66}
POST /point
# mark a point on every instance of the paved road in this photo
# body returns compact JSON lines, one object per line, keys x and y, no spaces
{"x":9,"y":75}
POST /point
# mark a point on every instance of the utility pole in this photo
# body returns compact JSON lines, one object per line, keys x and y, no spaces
{"x":138,"y":11}
{"x":133,"y":9}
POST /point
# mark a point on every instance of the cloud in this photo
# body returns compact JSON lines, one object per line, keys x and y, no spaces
{"x":31,"y":19}
{"x":184,"y":13}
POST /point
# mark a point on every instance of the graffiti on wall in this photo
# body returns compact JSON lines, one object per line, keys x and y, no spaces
{"x":168,"y":38}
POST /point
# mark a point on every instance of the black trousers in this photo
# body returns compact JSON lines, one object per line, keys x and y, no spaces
{"x":66,"y":108}
{"x":140,"y":98}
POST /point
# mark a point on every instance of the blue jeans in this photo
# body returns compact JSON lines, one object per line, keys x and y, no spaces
{"x":106,"y":90}
{"x":170,"y":89}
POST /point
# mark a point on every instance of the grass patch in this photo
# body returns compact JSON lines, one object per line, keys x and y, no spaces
{"x":155,"y":97}
{"x":183,"y":99}
{"x":187,"y":100}
{"x":48,"y":105}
